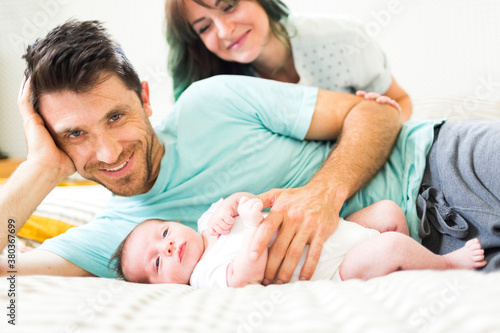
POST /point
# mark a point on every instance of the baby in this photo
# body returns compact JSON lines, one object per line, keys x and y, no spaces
{"x":374,"y":243}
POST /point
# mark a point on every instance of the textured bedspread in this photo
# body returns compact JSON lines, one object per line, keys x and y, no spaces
{"x":418,"y":301}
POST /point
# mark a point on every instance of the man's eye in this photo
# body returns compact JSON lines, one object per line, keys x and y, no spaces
{"x":75,"y":134}
{"x":157,"y":262}
{"x":165,"y":233}
{"x":115,"y":117}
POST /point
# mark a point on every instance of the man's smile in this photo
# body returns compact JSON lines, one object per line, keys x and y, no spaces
{"x":121,"y":166}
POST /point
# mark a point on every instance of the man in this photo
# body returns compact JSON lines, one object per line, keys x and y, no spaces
{"x":90,"y":100}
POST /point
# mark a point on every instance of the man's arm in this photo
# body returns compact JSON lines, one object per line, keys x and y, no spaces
{"x":44,"y":263}
{"x":19,"y":197}
{"x":44,"y":167}
{"x":22,"y":193}
{"x":365,"y":132}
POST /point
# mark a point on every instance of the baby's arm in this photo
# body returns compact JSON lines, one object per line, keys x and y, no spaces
{"x":222,"y":219}
{"x":243,"y":271}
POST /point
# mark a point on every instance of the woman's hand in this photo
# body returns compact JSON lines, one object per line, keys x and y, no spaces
{"x":373,"y":96}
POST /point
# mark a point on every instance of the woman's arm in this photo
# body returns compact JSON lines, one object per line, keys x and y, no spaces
{"x":402,"y":98}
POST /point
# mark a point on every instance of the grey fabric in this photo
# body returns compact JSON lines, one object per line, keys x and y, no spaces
{"x":460,"y":194}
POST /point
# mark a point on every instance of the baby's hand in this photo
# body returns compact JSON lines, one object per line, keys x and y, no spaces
{"x":250,"y":211}
{"x":373,"y":96}
{"x":222,"y":219}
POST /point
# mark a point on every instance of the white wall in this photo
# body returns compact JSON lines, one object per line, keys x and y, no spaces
{"x":436,"y":48}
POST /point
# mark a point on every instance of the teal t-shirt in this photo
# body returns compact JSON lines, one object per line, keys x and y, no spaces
{"x":228,"y":134}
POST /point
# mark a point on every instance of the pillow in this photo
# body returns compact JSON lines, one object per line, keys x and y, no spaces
{"x":73,"y":202}
{"x":74,"y":205}
{"x":39,"y":228}
{"x":455,"y":107}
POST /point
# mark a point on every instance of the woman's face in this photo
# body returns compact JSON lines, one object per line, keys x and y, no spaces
{"x":234,"y":33}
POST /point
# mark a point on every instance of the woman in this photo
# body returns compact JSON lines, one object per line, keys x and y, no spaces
{"x":257,"y":37}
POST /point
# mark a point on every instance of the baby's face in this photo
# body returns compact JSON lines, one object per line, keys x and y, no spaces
{"x":161,"y":252}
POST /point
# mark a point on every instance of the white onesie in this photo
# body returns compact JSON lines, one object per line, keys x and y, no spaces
{"x":210,"y":272}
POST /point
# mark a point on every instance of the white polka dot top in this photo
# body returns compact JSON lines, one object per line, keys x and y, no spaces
{"x":335,"y":53}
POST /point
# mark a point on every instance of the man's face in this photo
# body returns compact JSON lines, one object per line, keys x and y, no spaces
{"x":107,"y":134}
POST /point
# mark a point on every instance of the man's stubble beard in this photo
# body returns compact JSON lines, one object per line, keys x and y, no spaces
{"x":123,"y":182}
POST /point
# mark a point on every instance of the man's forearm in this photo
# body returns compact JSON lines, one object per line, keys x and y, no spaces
{"x":40,"y":262}
{"x":365,"y":143}
{"x":21,"y":194}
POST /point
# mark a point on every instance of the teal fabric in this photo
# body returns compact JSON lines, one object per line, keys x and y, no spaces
{"x":233,"y":134}
{"x":228,"y":134}
{"x":400,"y":178}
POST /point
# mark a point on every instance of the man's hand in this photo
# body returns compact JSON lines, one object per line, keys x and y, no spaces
{"x":303,"y":215}
{"x":41,"y":147}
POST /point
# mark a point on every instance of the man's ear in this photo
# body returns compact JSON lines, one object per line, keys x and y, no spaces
{"x":145,"y":98}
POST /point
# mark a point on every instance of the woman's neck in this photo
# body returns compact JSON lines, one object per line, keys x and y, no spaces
{"x":276,"y":62}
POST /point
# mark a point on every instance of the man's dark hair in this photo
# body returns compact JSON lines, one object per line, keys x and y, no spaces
{"x":76,"y":56}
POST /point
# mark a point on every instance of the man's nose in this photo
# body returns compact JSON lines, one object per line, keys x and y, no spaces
{"x":107,"y":149}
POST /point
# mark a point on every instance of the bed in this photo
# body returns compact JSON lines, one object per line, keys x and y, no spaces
{"x":424,"y":301}
{"x":461,"y":80}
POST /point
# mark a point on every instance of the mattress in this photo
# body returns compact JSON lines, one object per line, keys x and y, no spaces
{"x":409,"y":301}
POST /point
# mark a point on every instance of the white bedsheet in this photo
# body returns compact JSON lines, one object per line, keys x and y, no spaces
{"x":417,"y":301}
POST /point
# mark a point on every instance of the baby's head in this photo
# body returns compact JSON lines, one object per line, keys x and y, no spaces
{"x":158,"y":251}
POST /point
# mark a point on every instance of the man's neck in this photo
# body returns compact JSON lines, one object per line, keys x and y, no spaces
{"x":158,"y":152}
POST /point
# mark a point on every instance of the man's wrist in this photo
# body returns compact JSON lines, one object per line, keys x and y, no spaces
{"x":52,"y":174}
{"x":333,"y":196}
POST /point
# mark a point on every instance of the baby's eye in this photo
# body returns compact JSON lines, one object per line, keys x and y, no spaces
{"x":228,"y":8}
{"x":157,"y":262}
{"x":165,"y":233}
